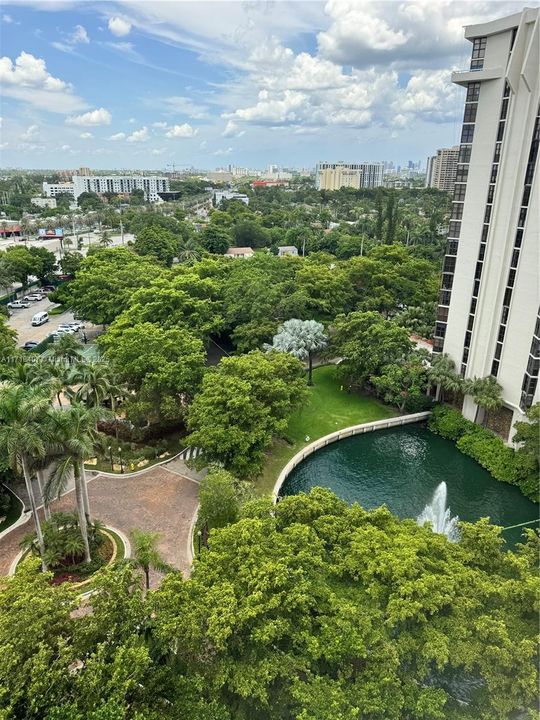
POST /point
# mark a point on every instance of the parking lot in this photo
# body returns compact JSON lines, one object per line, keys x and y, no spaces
{"x":21,"y":322}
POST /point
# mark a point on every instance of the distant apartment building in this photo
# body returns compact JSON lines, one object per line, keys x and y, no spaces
{"x":333,"y":176}
{"x":441,"y":169}
{"x":152,"y":185}
{"x":48,"y":202}
{"x":52,"y":190}
{"x":488,"y":318}
{"x":220,"y":195}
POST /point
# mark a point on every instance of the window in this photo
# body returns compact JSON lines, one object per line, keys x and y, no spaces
{"x":477,"y":64}
{"x":462,"y":173}
{"x":459,"y":192}
{"x":504,"y":109}
{"x":468,"y":336}
{"x":473,"y":305}
{"x":447,"y":281}
{"x":511,"y":278}
{"x":478,"y":270}
{"x":495,"y":368}
{"x":482,"y":251}
{"x":485,"y":231}
{"x":444,"y":297}
{"x":464,"y":154}
{"x":476,"y":288}
{"x":519,"y":239}
{"x":452,"y":247}
{"x":491,"y":193}
{"x":470,"y":323}
{"x":504,"y":316}
{"x":522,"y":217}
{"x":457,"y":211}
{"x":473,"y":92}
{"x":440,"y":330}
{"x":494,"y":171}
{"x":487,"y":214}
{"x":507,"y":298}
{"x":467,"y":134}
{"x":449,"y":264}
{"x":470,"y":112}
{"x":502,"y":332}
{"x":479,"y":47}
{"x":438,"y":345}
{"x":500,"y":130}
{"x":497,"y":155}
{"x":454,"y":229}
{"x":498,"y":350}
{"x":506,"y":92}
{"x":526,"y":195}
{"x":533,"y":366}
{"x":442,"y":314}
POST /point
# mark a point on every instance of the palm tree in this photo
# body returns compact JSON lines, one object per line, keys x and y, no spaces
{"x":146,"y":556}
{"x":94,"y":381}
{"x":75,"y":437}
{"x":486,"y":393}
{"x":300,"y":338}
{"x":67,"y":349}
{"x":190,"y":251}
{"x":443,"y":374}
{"x":23,"y":438}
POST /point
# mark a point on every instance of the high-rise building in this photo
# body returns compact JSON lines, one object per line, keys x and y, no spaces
{"x":333,"y":176}
{"x":488,"y":319}
{"x":441,"y":170}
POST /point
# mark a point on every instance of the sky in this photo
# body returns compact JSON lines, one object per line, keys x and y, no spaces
{"x":148,"y":84}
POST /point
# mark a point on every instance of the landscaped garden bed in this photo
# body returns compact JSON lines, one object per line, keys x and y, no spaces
{"x":10,"y":508}
{"x":124,"y":456}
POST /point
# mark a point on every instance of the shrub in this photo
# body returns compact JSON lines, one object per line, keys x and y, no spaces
{"x":489,"y":451}
{"x":449,"y":423}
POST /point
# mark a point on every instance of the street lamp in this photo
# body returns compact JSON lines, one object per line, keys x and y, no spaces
{"x":199,"y":533}
{"x":110,"y":455}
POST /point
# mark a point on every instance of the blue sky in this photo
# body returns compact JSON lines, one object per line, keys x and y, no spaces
{"x":140,"y":84}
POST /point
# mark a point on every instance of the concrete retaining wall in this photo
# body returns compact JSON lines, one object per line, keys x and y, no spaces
{"x":340,"y":435}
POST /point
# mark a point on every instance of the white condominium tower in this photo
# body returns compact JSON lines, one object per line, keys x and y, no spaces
{"x":150,"y":184}
{"x":441,"y":169}
{"x":488,"y":318}
{"x":333,"y":176}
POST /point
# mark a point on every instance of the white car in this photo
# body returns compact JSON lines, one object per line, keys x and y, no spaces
{"x":62,"y":331}
{"x":76,"y":326}
{"x":18,"y":304}
{"x":33,"y":297}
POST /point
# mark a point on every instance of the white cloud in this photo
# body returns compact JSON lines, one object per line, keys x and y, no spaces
{"x":157,"y":151}
{"x":159,"y":125}
{"x":99,"y":116}
{"x":119,"y":26}
{"x":183,"y":106}
{"x":118,"y":136}
{"x":232,"y":130}
{"x":65,"y":147}
{"x":139,"y":135}
{"x":86,"y":136}
{"x":7,"y":19}
{"x":30,"y":132}
{"x":225,"y":151}
{"x":132,"y":121}
{"x":27,"y":79}
{"x":203,"y":144}
{"x":181,"y":131}
{"x":79,"y":36}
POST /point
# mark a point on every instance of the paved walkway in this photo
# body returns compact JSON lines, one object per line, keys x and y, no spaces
{"x":160,"y":500}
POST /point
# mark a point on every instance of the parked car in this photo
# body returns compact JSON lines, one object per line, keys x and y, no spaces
{"x":30,"y":345}
{"x":76,"y":326}
{"x":17,"y":304}
{"x":62,"y":331}
{"x":40,"y":318}
{"x":48,"y":288}
{"x":33,"y":297}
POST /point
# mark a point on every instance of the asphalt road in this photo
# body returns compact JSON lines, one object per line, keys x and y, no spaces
{"x":21,"y":321}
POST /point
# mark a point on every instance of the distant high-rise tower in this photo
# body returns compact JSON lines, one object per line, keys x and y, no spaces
{"x":441,"y":170}
{"x":332,"y":176}
{"x":488,"y":318}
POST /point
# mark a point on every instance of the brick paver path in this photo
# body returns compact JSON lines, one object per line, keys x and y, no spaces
{"x":157,"y":501}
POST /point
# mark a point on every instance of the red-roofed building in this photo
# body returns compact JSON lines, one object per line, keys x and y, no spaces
{"x":269,"y":183}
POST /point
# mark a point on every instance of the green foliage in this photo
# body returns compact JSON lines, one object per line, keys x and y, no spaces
{"x":89,"y":201}
{"x":449,"y":423}
{"x":106,"y":281}
{"x":216,"y":239}
{"x":404,"y":384}
{"x":486,"y":392}
{"x":243,"y":403}
{"x":490,"y":452}
{"x":367,"y":342}
{"x":45,"y":262}
{"x":20,"y":263}
{"x":163,"y":365}
{"x":71,"y":262}
{"x":249,"y":233}
{"x":158,"y":243}
{"x":7,"y":339}
{"x":527,"y":435}
{"x":220,"y":498}
{"x":62,"y":294}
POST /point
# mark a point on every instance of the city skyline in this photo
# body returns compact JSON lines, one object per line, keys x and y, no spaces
{"x":138,"y":85}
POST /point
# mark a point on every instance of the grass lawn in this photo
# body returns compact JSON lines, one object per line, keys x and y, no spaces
{"x":329,"y":408}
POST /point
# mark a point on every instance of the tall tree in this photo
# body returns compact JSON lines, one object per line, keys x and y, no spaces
{"x":301,"y":338}
{"x":75,"y":439}
{"x":23,"y":438}
{"x":443,"y":374}
{"x":146,"y":555}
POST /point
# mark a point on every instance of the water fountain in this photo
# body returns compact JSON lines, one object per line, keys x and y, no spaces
{"x":439,"y":515}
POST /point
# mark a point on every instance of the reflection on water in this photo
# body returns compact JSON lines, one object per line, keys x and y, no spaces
{"x":401,"y":468}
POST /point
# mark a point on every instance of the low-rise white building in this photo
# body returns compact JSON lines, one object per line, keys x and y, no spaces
{"x":48,"y":202}
{"x":152,"y":185}
{"x":239,"y":252}
{"x":220,"y":195}
{"x":287,"y":250}
{"x":51,"y":190}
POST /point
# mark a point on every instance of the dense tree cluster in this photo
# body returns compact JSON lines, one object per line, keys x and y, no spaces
{"x":309,"y":610}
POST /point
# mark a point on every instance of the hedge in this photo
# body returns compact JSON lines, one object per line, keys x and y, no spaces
{"x":485,"y":447}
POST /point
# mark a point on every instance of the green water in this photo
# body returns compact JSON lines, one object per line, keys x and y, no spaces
{"x":401,"y":468}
